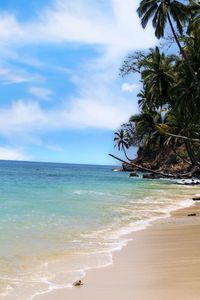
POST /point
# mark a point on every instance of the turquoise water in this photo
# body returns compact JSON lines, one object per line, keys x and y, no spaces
{"x":58,"y":220}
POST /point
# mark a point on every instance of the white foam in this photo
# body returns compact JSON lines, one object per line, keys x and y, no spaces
{"x":51,"y":287}
{"x":6,"y":291}
{"x":115,"y":242}
{"x":92,"y":192}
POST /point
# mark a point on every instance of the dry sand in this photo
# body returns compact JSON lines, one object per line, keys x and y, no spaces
{"x":162,"y":262}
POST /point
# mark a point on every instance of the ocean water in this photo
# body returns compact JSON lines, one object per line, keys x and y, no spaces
{"x":59,"y":220}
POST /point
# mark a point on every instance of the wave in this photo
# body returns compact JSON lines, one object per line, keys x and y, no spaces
{"x":92,"y":192}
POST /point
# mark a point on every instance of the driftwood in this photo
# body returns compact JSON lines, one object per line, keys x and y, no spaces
{"x":193,"y":172}
{"x":143,"y":168}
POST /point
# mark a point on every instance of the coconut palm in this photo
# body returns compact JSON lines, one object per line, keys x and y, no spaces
{"x":122,"y":141}
{"x":157,"y":74}
{"x":166,"y":11}
{"x":158,"y":77}
{"x":177,"y":131}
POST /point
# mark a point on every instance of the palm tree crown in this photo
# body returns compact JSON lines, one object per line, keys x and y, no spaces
{"x":163,"y":11}
{"x":121,"y":140}
{"x":160,"y":12}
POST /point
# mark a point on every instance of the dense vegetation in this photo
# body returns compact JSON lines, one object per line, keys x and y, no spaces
{"x":168,"y":125}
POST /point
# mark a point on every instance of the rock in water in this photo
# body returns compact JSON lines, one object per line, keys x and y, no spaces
{"x":78,"y":283}
{"x":133,"y":174}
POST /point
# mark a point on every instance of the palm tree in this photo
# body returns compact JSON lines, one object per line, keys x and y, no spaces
{"x":122,"y":141}
{"x":158,"y":77}
{"x":145,"y":129}
{"x":157,"y":74}
{"x":163,"y":11}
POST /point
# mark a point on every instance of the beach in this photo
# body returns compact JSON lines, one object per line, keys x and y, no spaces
{"x":100,"y":150}
{"x":60,"y":223}
{"x":161,"y":262}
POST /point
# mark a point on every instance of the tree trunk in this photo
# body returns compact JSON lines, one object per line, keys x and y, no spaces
{"x":183,"y":52}
{"x":180,"y":156}
{"x":125,"y":153}
{"x":190,"y":153}
{"x":159,"y":128}
{"x":194,"y":172}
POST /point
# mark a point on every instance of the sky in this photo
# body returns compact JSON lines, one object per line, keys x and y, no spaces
{"x":62,"y":97}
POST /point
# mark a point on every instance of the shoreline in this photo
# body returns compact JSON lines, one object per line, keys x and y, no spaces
{"x":146,"y":268}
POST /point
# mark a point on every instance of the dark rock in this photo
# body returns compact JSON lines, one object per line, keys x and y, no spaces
{"x":133,"y":174}
{"x":192,"y":215}
{"x":148,"y":176}
{"x":152,"y":176}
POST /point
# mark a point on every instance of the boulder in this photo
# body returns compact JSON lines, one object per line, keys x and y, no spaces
{"x":133,"y":174}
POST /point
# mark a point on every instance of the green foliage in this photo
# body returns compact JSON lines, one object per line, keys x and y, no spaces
{"x":169,"y":100}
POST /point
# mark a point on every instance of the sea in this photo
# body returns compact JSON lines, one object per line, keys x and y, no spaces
{"x":59,"y":220}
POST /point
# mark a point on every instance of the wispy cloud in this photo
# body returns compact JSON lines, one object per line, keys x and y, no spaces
{"x":25,"y":116}
{"x":81,"y":22}
{"x":9,"y":75}
{"x":130,"y":87}
{"x":40,"y":92}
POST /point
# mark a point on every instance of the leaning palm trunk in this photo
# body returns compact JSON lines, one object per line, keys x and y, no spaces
{"x":191,"y":154}
{"x":187,"y":142}
{"x":183,"y":52}
{"x":181,"y":157}
{"x":125,"y":153}
{"x":183,"y":137}
{"x":132,"y":164}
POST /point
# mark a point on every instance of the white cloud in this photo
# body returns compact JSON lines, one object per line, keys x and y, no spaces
{"x":84,"y":22}
{"x":103,"y":114}
{"x":129,"y":87}
{"x":24,"y":117}
{"x":20,"y":117}
{"x":40,"y":92}
{"x":7,"y":153}
{"x":10,"y":28}
{"x":99,"y":101}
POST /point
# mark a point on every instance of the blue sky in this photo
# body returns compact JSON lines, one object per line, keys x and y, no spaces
{"x":61,"y":95}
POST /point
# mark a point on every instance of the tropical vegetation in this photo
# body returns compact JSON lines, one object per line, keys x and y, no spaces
{"x":169,"y":101}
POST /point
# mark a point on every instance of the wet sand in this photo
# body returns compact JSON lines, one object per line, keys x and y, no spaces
{"x":161,"y":262}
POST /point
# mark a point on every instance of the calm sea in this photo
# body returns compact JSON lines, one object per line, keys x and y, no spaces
{"x":58,"y":220}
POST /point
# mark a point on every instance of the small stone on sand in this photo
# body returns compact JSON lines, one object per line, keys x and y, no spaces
{"x":196,"y":198}
{"x":78,"y":283}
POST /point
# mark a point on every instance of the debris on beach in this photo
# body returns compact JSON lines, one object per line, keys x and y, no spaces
{"x":196,"y":198}
{"x":78,"y":283}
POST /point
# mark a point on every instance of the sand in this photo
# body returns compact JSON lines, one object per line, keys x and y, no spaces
{"x":161,"y":262}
